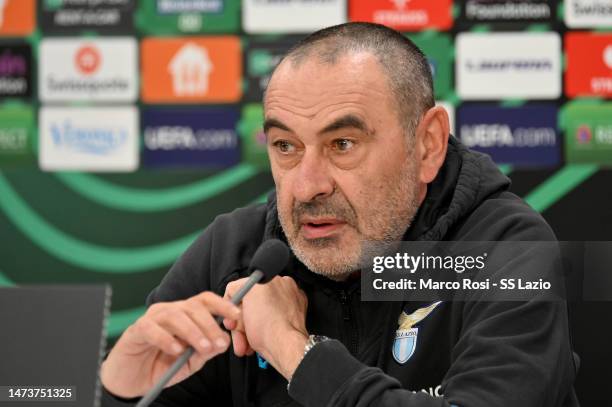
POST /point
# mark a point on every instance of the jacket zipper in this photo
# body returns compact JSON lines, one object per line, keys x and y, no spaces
{"x":350,"y":327}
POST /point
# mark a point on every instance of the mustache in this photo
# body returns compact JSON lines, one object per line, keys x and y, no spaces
{"x":332,"y":207}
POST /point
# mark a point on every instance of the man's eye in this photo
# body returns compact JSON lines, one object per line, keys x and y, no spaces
{"x":343,"y":144}
{"x":284,"y":146}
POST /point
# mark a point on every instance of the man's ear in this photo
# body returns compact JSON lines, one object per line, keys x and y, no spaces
{"x":431,"y":142}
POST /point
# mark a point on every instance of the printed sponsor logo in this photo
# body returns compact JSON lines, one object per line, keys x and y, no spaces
{"x":189,"y":16}
{"x":522,"y":136}
{"x":508,"y":65}
{"x":191,"y":70}
{"x":262,"y":56}
{"x":439,"y":51}
{"x":404,"y":14}
{"x":17,"y":17}
{"x":291,"y":16}
{"x":88,"y":69}
{"x":189,"y":6}
{"x":15,"y":70}
{"x":88,"y":139}
{"x":588,"y":13}
{"x":16,"y":134}
{"x":589,"y":64}
{"x":71,"y":16}
{"x":194,"y":137}
{"x":507,"y":10}
{"x":588,"y":129}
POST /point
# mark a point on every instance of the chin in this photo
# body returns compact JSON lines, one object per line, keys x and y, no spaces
{"x":329,"y":256}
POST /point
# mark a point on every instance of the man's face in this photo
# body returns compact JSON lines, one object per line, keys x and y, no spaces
{"x":344,"y":170}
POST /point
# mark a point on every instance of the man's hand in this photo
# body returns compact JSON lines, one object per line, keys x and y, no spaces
{"x":152,"y":344}
{"x":273,"y":323}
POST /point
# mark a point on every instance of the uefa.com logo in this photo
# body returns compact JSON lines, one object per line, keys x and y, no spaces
{"x":190,"y":137}
{"x":524,"y":136}
{"x":98,"y":70}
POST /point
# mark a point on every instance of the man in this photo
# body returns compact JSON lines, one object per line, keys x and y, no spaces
{"x":358,"y":152}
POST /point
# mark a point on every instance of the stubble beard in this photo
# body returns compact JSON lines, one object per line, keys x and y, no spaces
{"x":386,"y":222}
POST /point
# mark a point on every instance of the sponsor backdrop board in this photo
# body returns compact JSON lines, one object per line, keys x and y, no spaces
{"x":17,"y":131}
{"x":404,"y":15}
{"x":191,"y":69}
{"x":261,"y":56}
{"x":291,"y":16}
{"x":17,"y":17}
{"x":588,"y":13}
{"x":163,"y":17}
{"x":76,"y":139}
{"x":96,"y":139}
{"x":70,"y":16}
{"x":508,"y":65}
{"x":15,"y":70}
{"x":508,"y":11}
{"x":439,"y":51}
{"x":523,"y":136}
{"x":83,"y":69}
{"x":254,"y":147}
{"x":588,"y":133}
{"x":190,"y":138}
{"x":589,"y":64}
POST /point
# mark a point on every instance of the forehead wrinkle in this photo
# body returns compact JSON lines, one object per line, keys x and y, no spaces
{"x":322,"y":105}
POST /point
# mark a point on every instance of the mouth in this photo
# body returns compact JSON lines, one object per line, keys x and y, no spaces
{"x":320,"y":228}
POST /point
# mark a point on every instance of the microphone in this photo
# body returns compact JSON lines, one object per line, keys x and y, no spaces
{"x":270,"y":259}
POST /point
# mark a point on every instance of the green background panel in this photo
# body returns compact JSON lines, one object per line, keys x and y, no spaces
{"x":149,"y":21}
{"x":594,"y":119}
{"x":17,"y":135}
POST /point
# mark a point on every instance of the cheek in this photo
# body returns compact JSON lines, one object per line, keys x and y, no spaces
{"x":284,"y":200}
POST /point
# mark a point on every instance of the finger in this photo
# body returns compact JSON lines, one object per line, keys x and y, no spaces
{"x":158,"y":337}
{"x":182,"y":326}
{"x":208,"y":326}
{"x":218,"y":305}
{"x":240,"y":342}
{"x":230,"y":324}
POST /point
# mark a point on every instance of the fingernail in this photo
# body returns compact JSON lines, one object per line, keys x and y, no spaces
{"x":176,"y":348}
{"x":237,"y":311}
{"x":221,"y":343}
{"x":205,"y":344}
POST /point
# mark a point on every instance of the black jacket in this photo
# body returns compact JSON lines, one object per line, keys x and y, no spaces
{"x":467,"y":354}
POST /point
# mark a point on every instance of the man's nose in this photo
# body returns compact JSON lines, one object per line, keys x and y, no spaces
{"x":313,"y":179}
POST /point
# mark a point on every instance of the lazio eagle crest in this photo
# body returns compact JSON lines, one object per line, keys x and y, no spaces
{"x":405,"y":341}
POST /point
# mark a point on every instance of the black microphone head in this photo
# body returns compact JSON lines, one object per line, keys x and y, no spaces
{"x":270,"y":258}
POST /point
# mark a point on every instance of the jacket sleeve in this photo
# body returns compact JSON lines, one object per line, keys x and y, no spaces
{"x":187,"y":277}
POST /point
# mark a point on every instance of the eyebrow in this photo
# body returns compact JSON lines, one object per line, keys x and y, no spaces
{"x":271,"y":123}
{"x":343,"y":122}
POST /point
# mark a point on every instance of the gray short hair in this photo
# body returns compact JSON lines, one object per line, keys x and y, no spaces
{"x":408,"y":72}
